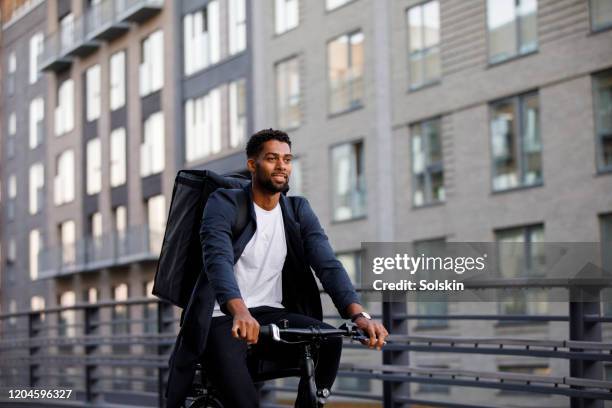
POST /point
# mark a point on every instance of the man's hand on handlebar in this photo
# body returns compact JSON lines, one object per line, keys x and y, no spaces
{"x":245,"y":326}
{"x":375,"y":330}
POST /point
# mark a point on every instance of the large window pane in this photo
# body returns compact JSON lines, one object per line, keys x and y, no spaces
{"x":423,"y":43}
{"x":94,"y":166}
{"x":152,"y":150}
{"x":603,"y":119}
{"x":92,"y":92}
{"x":349,"y":192}
{"x":286,"y":13}
{"x":118,"y":157}
{"x":345,"y":60}
{"x":521,"y":255}
{"x":237,"y":110}
{"x":288,"y":93}
{"x":237,"y":26}
{"x":152,"y":63}
{"x":601,"y":14}
{"x":427,"y":163}
{"x":516,"y":146}
{"x":117,"y":80}
{"x":512,"y":26}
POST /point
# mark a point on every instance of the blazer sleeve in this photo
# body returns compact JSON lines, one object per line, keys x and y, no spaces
{"x":217,"y":250}
{"x":321,"y":257}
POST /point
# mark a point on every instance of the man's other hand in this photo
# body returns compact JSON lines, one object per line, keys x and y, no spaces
{"x":375,"y":330}
{"x":245,"y":326}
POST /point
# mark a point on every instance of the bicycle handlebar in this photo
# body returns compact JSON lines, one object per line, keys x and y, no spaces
{"x":311,"y":334}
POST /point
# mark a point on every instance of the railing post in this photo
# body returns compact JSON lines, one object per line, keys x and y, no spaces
{"x":582,"y":330}
{"x":89,"y":328}
{"x":162,"y":327}
{"x":394,"y":326}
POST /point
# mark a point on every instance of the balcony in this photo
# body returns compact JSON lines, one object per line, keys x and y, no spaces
{"x":68,"y":42}
{"x":102,"y":22}
{"x":137,"y":11}
{"x":137,"y":244}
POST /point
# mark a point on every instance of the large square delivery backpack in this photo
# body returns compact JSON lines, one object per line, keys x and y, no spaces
{"x":180,"y":259}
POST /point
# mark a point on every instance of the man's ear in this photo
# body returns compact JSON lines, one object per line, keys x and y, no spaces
{"x":251,"y":165}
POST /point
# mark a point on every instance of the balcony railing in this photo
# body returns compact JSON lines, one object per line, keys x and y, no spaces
{"x":138,"y":243}
{"x":101,"y":22}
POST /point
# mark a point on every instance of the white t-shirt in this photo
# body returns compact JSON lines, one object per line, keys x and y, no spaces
{"x":259,"y":269}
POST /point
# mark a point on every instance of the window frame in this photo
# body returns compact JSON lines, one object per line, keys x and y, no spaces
{"x":353,"y":104}
{"x":594,"y":29}
{"x":517,"y":53}
{"x":518,"y":104}
{"x":332,"y":197}
{"x":429,"y":168}
{"x":599,"y":134}
{"x":293,"y":58}
{"x":424,"y":50}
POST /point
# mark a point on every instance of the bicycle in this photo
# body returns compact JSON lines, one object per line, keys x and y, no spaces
{"x":204,"y":394}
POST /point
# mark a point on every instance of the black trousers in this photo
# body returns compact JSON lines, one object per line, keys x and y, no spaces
{"x":225,"y":357}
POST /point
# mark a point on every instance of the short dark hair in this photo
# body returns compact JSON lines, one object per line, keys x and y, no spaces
{"x":256,"y":141}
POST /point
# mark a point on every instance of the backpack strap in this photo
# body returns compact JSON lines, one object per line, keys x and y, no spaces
{"x":242,"y":218}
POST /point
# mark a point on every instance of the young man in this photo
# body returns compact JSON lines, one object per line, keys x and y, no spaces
{"x":263,"y":276}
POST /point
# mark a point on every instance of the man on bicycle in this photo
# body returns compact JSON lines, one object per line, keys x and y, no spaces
{"x":261,"y":276}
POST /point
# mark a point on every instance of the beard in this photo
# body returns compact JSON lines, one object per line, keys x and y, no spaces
{"x":268,"y":184}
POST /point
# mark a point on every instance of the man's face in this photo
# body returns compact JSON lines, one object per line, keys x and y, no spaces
{"x":272,"y":167}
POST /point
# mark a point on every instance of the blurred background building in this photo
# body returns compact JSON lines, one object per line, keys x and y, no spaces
{"x":413,"y":121}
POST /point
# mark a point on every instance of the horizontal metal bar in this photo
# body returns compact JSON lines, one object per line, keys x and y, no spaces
{"x":431,"y":403}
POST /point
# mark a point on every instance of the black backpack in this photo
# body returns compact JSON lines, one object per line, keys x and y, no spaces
{"x":180,"y":259}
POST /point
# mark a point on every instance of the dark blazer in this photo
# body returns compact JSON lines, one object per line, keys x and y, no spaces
{"x":307,"y":247}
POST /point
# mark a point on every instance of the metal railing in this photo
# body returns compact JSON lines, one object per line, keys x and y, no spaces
{"x":117,"y":352}
{"x":137,"y":243}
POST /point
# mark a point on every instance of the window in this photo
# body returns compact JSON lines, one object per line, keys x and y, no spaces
{"x":516,"y":147}
{"x":92,"y":92}
{"x":427,"y":163}
{"x":152,"y":149}
{"x":13,"y":320}
{"x":96,"y":224}
{"x":117,"y":80}
{"x":424,"y":43}
{"x":288,"y":95}
{"x":12,"y":196}
{"x":349,"y":191}
{"x":11,"y":253}
{"x":345,"y":72}
{"x":202,"y":34}
{"x":64,"y":111}
{"x":601,"y":14}
{"x":37,"y":303}
{"x":94,"y":166}
{"x":352,"y":263}
{"x":156,"y":217}
{"x":37,"y":185}
{"x":12,"y":132}
{"x":91,"y":295}
{"x":427,"y":304}
{"x":12,"y":69}
{"x":203,"y":125}
{"x":118,"y":157}
{"x":603,"y":119}
{"x":605,"y":222}
{"x":296,"y":180}
{"x":152,"y":63}
{"x":64,"y":178}
{"x":237,"y":109}
{"x":67,"y":231}
{"x":332,"y":4}
{"x":237,"y":26}
{"x":67,"y":27}
{"x":287,"y":15}
{"x":36,"y":50}
{"x":512,"y":28}
{"x":520,"y":254}
{"x":37,"y":116}
{"x":35,"y":248}
{"x":121,"y":314}
{"x":120,"y":227}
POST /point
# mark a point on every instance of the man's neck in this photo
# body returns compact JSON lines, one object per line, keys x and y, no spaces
{"x":264,"y":199}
